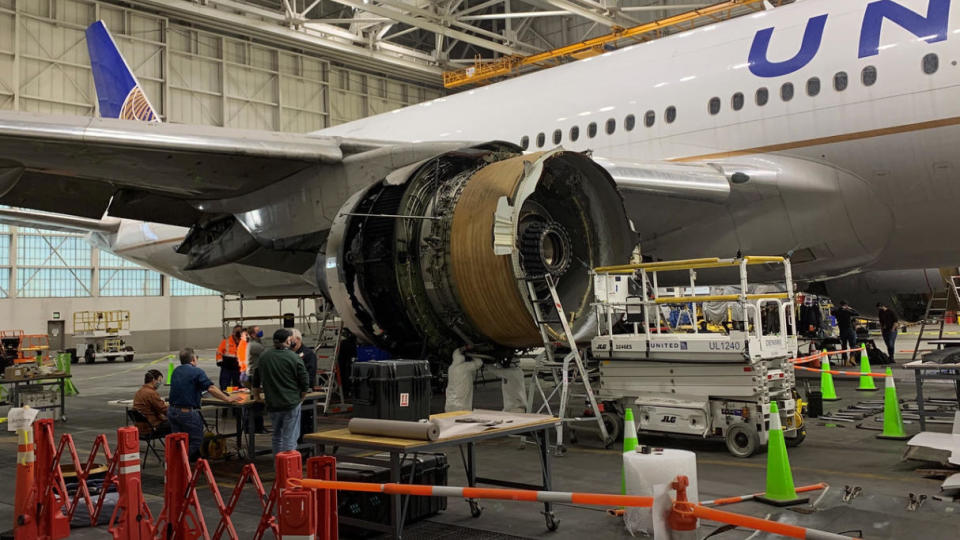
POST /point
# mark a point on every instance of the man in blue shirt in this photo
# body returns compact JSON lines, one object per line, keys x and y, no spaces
{"x":187,"y":383}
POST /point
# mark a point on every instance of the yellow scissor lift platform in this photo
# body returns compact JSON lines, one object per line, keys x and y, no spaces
{"x":693,"y":382}
{"x":99,"y":334}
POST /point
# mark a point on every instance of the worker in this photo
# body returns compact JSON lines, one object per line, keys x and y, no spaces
{"x":227,"y":358}
{"x":512,"y":389}
{"x":307,"y":355}
{"x":461,"y":376}
{"x":848,"y":337}
{"x":254,"y":349}
{"x":149,"y":403}
{"x":187,"y":383}
{"x":888,"y":327}
{"x":283,"y":379}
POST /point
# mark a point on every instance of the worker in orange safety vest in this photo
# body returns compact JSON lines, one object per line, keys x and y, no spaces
{"x":228,"y":360}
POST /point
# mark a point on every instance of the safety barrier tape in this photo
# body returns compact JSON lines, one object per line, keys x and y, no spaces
{"x":849,"y":373}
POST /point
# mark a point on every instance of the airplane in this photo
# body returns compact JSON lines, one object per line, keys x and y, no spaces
{"x":824,"y":130}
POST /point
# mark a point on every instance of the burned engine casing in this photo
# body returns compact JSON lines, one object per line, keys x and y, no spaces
{"x":439,"y":254}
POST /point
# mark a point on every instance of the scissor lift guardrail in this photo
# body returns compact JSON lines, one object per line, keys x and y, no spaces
{"x":697,"y":383}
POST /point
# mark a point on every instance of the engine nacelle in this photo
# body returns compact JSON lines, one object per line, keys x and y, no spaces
{"x":439,"y":254}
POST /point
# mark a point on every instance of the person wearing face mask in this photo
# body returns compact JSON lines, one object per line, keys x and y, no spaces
{"x":149,"y":403}
{"x":227,"y":358}
{"x":283,"y":379}
{"x":254,"y":350}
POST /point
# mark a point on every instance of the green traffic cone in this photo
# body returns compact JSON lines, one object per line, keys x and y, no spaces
{"x":866,"y":380}
{"x":169,"y":372}
{"x":780,"y":490}
{"x":892,"y":422}
{"x":826,"y":380}
{"x":63,"y":364}
{"x":629,"y":444}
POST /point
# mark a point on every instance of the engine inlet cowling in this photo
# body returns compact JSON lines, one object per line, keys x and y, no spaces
{"x":443,"y":256}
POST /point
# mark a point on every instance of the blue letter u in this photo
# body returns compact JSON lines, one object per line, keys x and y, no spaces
{"x":812,"y":36}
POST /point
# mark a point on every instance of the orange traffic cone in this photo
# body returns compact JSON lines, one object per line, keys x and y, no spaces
{"x":25,"y":498}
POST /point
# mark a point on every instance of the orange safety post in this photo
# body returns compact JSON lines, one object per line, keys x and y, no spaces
{"x":297,"y":513}
{"x":594,"y":499}
{"x":25,"y":496}
{"x":743,"y":498}
{"x":51,"y":491}
{"x":683,"y":524}
{"x":288,"y":466}
{"x":325,"y":468}
{"x":131,"y":519}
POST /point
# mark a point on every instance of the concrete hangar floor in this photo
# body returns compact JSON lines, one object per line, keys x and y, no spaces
{"x":835,"y":453}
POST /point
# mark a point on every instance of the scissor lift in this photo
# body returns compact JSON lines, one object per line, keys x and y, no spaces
{"x":100,"y":334}
{"x":697,"y":383}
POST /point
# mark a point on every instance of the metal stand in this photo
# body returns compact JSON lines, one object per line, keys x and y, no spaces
{"x":562,"y":370}
{"x":937,"y":307}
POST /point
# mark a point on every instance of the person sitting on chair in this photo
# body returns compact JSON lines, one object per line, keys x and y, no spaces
{"x":149,"y":403}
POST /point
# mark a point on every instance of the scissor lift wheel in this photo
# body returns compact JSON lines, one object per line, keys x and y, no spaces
{"x":742,"y":440}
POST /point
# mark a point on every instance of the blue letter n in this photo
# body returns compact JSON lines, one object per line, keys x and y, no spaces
{"x":932,"y":28}
{"x":812,"y":36}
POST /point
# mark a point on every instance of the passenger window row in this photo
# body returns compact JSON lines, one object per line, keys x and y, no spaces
{"x":868,"y":77}
{"x":610,"y":127}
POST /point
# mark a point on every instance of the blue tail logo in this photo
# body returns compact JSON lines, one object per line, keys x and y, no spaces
{"x":118,"y":91}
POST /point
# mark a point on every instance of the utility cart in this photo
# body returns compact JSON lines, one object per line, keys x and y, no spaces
{"x":100,"y":334}
{"x":696,"y":383}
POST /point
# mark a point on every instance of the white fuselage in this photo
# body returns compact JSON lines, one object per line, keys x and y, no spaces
{"x":898,"y":135}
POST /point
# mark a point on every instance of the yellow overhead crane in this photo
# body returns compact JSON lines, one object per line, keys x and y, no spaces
{"x":484,"y":70}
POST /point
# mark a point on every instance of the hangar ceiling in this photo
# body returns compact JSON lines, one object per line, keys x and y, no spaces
{"x":419,"y":39}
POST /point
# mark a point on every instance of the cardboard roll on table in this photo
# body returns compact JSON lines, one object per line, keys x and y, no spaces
{"x":418,"y":431}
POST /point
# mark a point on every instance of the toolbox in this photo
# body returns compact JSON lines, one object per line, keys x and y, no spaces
{"x":428,"y":469}
{"x":392,"y":389}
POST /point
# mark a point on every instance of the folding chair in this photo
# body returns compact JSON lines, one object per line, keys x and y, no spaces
{"x":150,"y":438}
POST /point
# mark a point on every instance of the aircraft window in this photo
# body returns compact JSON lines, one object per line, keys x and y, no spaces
{"x":649,"y":118}
{"x":525,"y":142}
{"x":714,"y":105}
{"x":737,"y":101}
{"x":840,"y":81}
{"x":763,"y":96}
{"x":611,"y":126}
{"x":931,"y":63}
{"x":813,"y":86}
{"x":629,"y":122}
{"x":541,"y":138}
{"x":786,"y":91}
{"x":557,"y":136}
{"x":868,"y":76}
{"x":574,"y":133}
{"x":670,"y":114}
{"x":592,"y":129}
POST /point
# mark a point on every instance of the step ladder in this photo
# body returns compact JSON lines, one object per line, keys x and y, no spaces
{"x":328,"y":375}
{"x":564,"y":373}
{"x":937,"y":307}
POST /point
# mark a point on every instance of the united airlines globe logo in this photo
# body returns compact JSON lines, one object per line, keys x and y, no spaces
{"x":136,"y":107}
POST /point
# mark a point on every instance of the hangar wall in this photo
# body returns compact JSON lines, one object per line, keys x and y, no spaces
{"x":192,"y":76}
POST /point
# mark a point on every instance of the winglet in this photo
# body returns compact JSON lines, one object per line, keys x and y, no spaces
{"x":118,"y":91}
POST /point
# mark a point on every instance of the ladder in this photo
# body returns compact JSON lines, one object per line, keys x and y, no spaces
{"x":937,"y":307}
{"x":549,"y":360}
{"x":327,"y":349}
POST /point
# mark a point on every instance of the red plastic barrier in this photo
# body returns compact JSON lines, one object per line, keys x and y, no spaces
{"x":297,"y":516}
{"x":131,"y":519}
{"x":325,"y":468}
{"x":248,"y":474}
{"x":51,"y":489}
{"x":288,"y":465}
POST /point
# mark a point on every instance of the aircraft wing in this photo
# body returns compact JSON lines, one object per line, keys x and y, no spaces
{"x":76,"y":165}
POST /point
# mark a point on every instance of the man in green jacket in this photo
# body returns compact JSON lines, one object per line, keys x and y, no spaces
{"x":283,"y":380}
